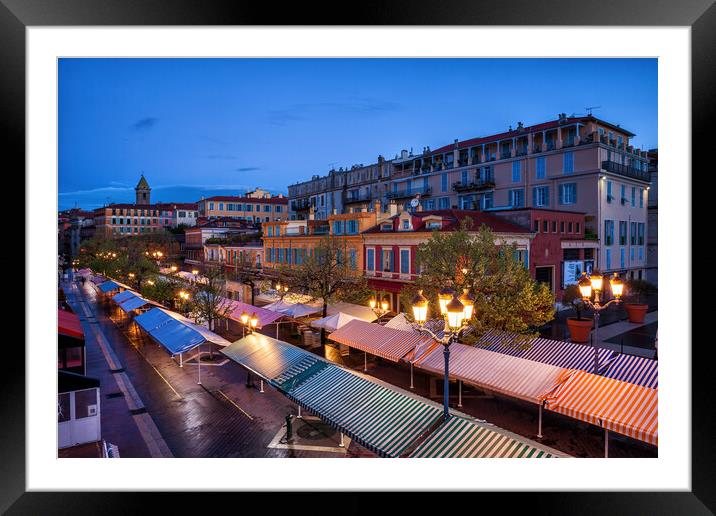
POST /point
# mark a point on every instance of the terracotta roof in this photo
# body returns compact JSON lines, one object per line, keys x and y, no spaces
{"x":523,"y":132}
{"x":177,"y":206}
{"x":249,"y":200}
{"x":455,"y":217}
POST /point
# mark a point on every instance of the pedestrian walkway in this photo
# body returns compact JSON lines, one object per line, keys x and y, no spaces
{"x":220,"y":417}
{"x":630,"y":338}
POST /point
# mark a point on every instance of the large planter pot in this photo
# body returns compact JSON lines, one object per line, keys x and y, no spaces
{"x":579,"y":330}
{"x":636,"y":312}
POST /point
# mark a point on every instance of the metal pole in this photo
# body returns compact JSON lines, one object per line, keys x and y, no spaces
{"x":595,"y":339}
{"x":181,"y":360}
{"x":341,"y":444}
{"x":262,"y":385}
{"x":299,"y":412}
{"x":606,"y":443}
{"x":446,"y":385}
{"x":411,"y":376}
{"x":539,"y":425}
{"x":199,"y":362}
{"x":276,"y":331}
{"x":459,"y":393}
{"x":365,"y":362}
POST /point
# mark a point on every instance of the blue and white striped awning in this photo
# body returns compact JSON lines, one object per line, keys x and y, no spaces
{"x":176,"y":333}
{"x":553,"y":352}
{"x":382,"y":419}
{"x":638,"y":370}
{"x":278,"y":362}
{"x":129,"y":300}
{"x":108,"y":286}
{"x":463,"y":438}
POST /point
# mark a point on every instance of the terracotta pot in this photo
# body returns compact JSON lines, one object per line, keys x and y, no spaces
{"x":636,"y":312}
{"x":579,"y":330}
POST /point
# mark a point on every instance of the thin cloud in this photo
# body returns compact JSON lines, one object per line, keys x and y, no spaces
{"x":144,"y":124}
{"x":222,"y":156}
{"x":247,"y":169}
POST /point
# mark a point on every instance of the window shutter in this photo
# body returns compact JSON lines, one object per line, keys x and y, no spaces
{"x":534,"y":196}
{"x":561,"y":194}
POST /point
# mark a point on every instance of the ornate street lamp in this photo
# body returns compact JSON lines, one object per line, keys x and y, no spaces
{"x":379,"y":306}
{"x":244,"y":321}
{"x":594,"y":283}
{"x":456,"y":315}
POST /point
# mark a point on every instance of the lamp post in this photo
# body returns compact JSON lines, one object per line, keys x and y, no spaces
{"x":594,"y":282}
{"x":244,"y":320}
{"x":456,"y":312}
{"x":379,"y":308}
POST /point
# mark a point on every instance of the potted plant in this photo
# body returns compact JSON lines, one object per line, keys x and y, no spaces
{"x":579,"y":327}
{"x":634,"y":304}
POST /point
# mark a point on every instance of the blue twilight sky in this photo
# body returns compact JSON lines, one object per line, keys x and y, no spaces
{"x":200,"y":127}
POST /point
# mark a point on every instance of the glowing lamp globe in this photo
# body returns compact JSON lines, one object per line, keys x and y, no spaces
{"x":585,"y":286}
{"x":468,"y":301}
{"x":444,"y":297}
{"x":455,"y":314}
{"x":372,"y":302}
{"x":254,"y":320}
{"x":420,"y":307}
{"x":617,"y":286}
{"x":244,"y":317}
{"x":596,"y":280}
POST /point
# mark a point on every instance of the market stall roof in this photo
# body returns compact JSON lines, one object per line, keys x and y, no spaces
{"x":383,"y":419}
{"x":133,"y":303}
{"x":333,"y":322}
{"x":459,"y":437}
{"x":378,"y":340}
{"x":297,"y":310}
{"x":69,"y":324}
{"x":84,"y":272}
{"x":175,"y":332}
{"x":637,"y":370}
{"x":108,"y":286}
{"x":516,"y":377}
{"x":358,"y":311}
{"x":97,"y":279}
{"x":548,"y":351}
{"x":279,"y":363}
{"x":399,"y":322}
{"x":622,"y":407}
{"x":265,"y":316}
{"x":123,"y":296}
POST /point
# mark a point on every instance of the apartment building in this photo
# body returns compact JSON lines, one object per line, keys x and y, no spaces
{"x":581,"y":164}
{"x":195,"y":239}
{"x":290,"y":242}
{"x":652,"y":234}
{"x":258,"y":206}
{"x":390,"y":247}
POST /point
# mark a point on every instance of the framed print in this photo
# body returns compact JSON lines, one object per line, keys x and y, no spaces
{"x":427,"y":232}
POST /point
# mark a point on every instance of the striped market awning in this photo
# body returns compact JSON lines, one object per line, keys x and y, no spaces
{"x":277,"y":362}
{"x":383,"y":419}
{"x":553,"y":352}
{"x":638,"y":370}
{"x":265,"y":316}
{"x":123,"y":296}
{"x":108,"y":286}
{"x":622,"y":407}
{"x":516,"y":377}
{"x":176,"y":333}
{"x":378,"y":340}
{"x":462,"y":438}
{"x":133,"y":303}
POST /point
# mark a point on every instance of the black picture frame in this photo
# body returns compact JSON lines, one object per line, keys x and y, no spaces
{"x":16,"y":15}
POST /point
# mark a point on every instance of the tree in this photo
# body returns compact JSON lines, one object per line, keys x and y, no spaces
{"x":506,"y":297}
{"x":246,"y":274}
{"x":163,"y":291}
{"x":208,"y":299}
{"x":102,"y":255}
{"x":326,"y":274}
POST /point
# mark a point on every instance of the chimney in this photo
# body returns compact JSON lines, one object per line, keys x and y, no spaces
{"x":312,"y":213}
{"x":456,"y":143}
{"x":392,"y":208}
{"x":376,"y":206}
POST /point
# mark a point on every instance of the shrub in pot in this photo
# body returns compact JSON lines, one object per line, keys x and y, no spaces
{"x":579,"y":327}
{"x":635,"y":299}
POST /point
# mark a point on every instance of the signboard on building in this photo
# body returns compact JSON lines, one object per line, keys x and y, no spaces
{"x":573,"y":270}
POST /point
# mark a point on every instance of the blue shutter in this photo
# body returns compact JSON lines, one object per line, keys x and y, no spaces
{"x":392,"y":261}
{"x":534,"y":196}
{"x":561,"y":194}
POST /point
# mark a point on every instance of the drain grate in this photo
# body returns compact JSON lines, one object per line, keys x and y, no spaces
{"x":115,"y":395}
{"x":137,"y":411}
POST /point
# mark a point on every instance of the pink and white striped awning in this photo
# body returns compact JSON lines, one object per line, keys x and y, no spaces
{"x":265,"y":317}
{"x":378,"y":340}
{"x":516,"y":377}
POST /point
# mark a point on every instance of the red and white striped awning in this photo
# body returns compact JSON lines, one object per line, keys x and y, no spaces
{"x":516,"y":377}
{"x":265,"y":316}
{"x":622,"y":407}
{"x":378,"y":340}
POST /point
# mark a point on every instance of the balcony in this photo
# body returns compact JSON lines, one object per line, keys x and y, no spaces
{"x":409,"y":193}
{"x":302,"y":204}
{"x":626,"y":171}
{"x":505,"y":155}
{"x":351,"y":199}
{"x":480,"y":184}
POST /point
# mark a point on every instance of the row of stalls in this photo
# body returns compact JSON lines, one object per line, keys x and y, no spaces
{"x":554,"y":375}
{"x":386,"y":420}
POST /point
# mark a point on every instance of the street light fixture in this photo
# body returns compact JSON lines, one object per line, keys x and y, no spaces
{"x":379,"y":306}
{"x":244,"y":321}
{"x":594,"y":283}
{"x":456,"y":314}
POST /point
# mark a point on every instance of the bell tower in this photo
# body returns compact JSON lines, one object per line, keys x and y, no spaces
{"x":142,"y":189}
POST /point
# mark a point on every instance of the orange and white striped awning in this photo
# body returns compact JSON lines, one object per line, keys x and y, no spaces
{"x":378,"y":340}
{"x":622,"y":407}
{"x":513,"y":376}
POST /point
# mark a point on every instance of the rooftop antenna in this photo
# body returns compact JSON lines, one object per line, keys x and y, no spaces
{"x":589,"y":109}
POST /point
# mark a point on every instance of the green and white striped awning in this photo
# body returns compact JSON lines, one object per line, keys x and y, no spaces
{"x":384,"y":420}
{"x":462,"y":438}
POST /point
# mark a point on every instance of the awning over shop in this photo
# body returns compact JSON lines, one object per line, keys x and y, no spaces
{"x":399,"y":322}
{"x":281,"y":364}
{"x":378,"y":340}
{"x":383,"y":419}
{"x":123,"y":296}
{"x":69,"y":324}
{"x":175,"y":332}
{"x":300,"y":310}
{"x":516,"y":377}
{"x":554,"y":352}
{"x":638,"y":370}
{"x":133,"y":303}
{"x":108,"y":286}
{"x":265,"y":316}
{"x":463,"y":438}
{"x":333,"y":322}
{"x":358,"y":311}
{"x":622,"y":407}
